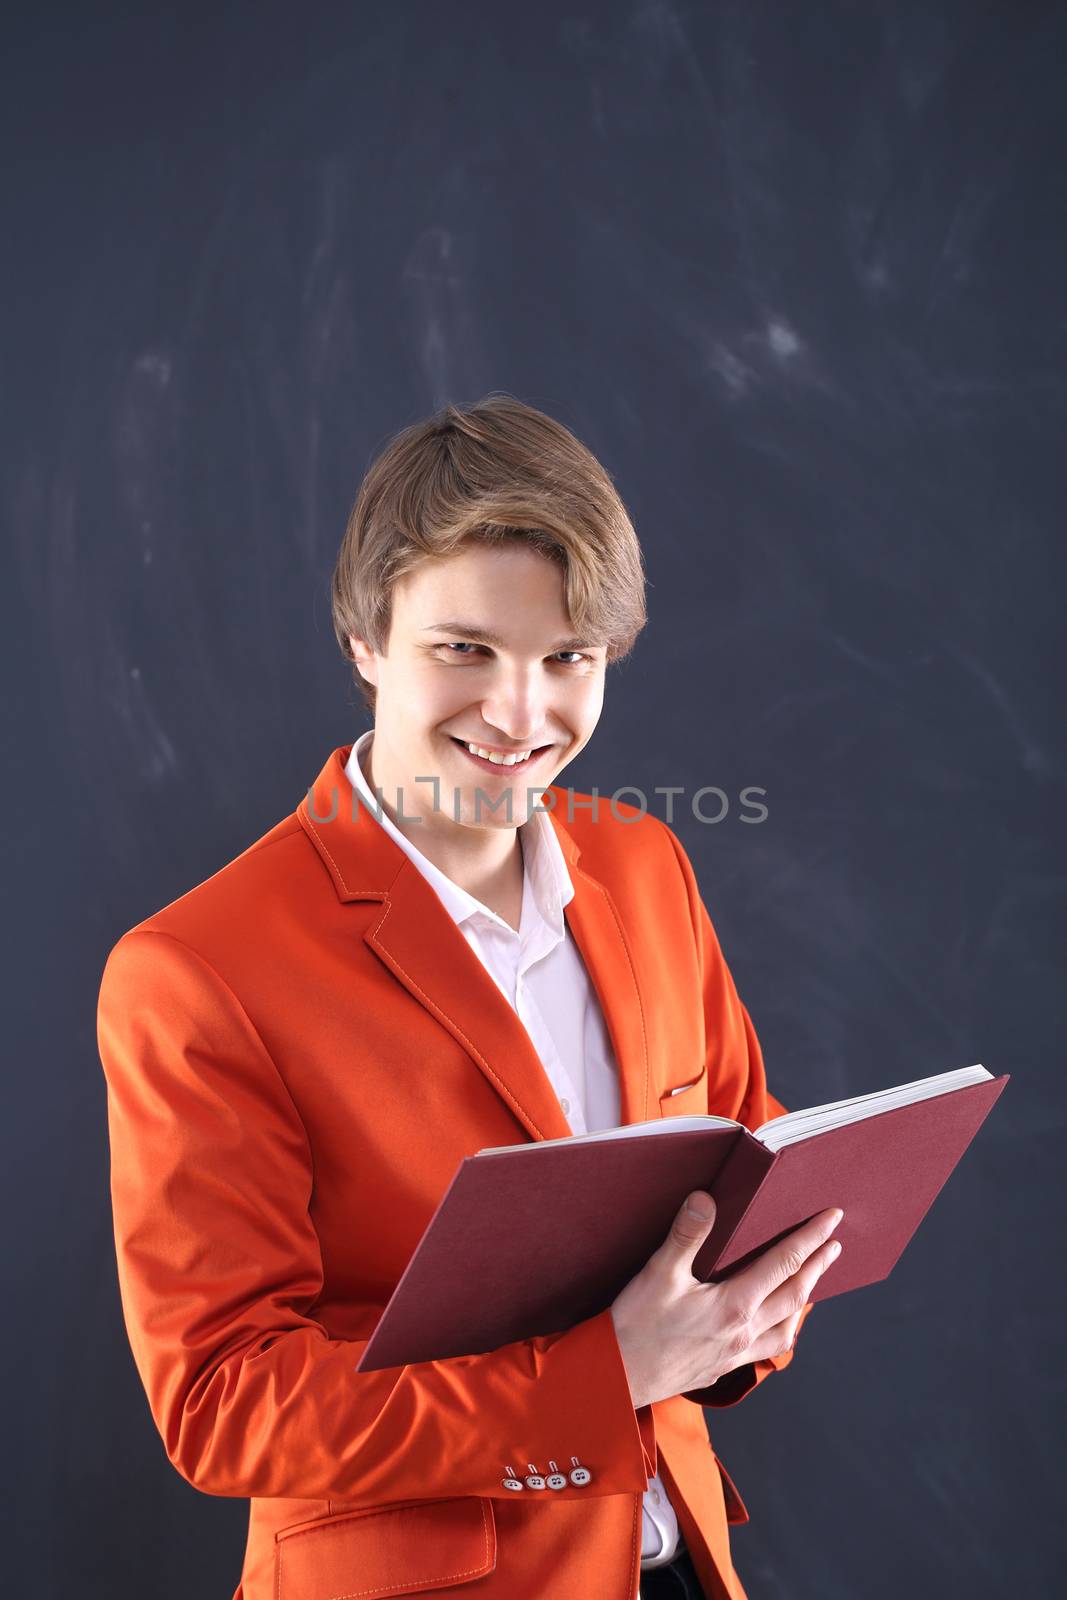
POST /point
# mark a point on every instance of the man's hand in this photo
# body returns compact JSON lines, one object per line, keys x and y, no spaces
{"x":676,"y":1333}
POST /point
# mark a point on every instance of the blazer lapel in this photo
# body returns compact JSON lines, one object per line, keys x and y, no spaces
{"x":420,"y":944}
{"x":598,"y":933}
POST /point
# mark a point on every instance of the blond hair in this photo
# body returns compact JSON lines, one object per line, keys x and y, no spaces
{"x":497,"y":470}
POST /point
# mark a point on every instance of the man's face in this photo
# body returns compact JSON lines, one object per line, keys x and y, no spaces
{"x":480,"y":651}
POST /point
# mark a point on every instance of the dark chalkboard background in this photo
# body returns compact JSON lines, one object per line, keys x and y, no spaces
{"x":796,"y":273}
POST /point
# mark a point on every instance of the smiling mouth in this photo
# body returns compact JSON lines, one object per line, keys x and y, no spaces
{"x":498,"y":766}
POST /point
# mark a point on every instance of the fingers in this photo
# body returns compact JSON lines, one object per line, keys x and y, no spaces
{"x":785,"y":1303}
{"x":774,"y":1341}
{"x":783,"y":1261}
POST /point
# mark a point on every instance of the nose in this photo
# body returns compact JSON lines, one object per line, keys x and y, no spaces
{"x":515,"y":705}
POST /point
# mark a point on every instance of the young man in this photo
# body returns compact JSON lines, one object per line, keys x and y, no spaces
{"x":440,"y":950}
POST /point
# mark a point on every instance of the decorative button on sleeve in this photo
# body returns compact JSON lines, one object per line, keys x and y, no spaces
{"x":555,"y":1479}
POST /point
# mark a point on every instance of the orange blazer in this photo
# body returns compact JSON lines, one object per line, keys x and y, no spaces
{"x":298,"y":1052}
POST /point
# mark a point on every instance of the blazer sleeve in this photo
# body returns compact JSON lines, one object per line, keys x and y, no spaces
{"x":738,"y":1082}
{"x":220,"y":1270}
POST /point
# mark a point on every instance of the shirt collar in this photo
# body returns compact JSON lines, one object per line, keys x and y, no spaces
{"x":545,"y":868}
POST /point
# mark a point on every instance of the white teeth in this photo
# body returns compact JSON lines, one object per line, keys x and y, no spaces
{"x":499,"y":761}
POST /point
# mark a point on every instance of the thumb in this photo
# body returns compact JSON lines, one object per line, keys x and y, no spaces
{"x":691,"y":1226}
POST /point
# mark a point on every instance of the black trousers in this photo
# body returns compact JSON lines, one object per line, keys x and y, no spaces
{"x":675,"y":1581}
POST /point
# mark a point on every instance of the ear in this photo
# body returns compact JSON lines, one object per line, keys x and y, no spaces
{"x":365,"y":659}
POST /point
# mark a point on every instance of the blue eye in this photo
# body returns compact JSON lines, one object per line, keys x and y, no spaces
{"x":464,"y":648}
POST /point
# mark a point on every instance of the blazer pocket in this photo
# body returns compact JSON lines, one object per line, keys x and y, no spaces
{"x":411,"y":1548}
{"x":672,"y":1096}
{"x":736,"y":1510}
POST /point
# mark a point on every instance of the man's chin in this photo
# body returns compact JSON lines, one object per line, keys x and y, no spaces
{"x":510,"y":808}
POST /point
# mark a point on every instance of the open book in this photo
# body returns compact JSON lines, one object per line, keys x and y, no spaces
{"x":551,"y":1230}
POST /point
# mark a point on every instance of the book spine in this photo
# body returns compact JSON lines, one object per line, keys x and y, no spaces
{"x":736,"y":1185}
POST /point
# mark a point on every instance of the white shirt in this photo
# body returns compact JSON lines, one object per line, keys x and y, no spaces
{"x":542,"y":976}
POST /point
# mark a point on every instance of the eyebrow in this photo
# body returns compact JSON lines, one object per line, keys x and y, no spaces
{"x":471,"y":631}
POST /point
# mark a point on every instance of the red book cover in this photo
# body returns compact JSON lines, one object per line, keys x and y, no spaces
{"x":537,"y":1237}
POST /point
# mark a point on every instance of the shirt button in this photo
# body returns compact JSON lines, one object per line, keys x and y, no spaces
{"x":655,"y":1496}
{"x":566,"y":1106}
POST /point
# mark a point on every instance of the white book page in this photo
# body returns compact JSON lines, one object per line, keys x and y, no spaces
{"x":836,"y":1113}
